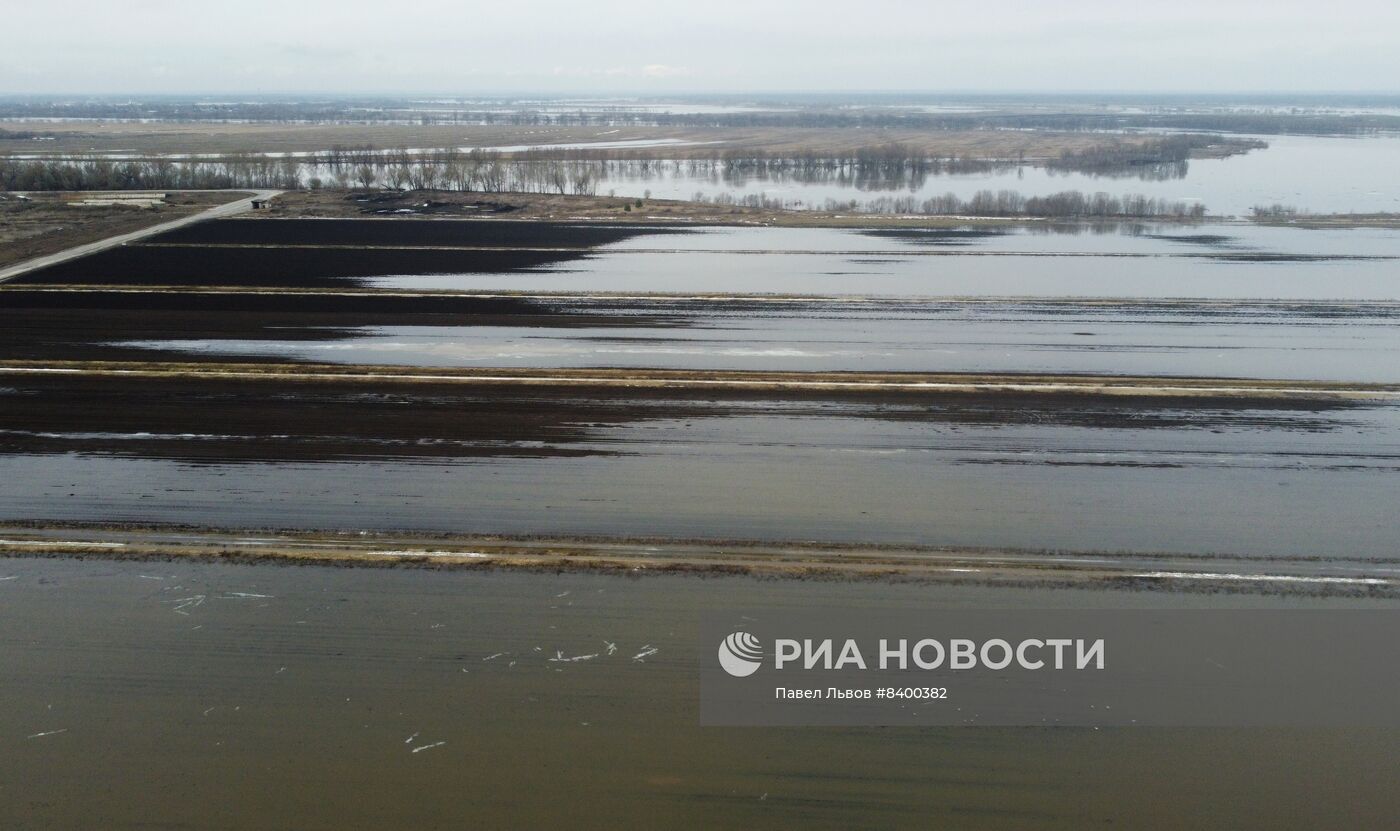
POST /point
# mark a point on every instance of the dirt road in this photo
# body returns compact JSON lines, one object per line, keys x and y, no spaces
{"x":229,"y":209}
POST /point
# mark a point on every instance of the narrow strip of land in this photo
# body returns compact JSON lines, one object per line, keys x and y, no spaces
{"x":721,"y":379}
{"x":1223,"y":303}
{"x":228,"y":209}
{"x":1169,"y":572}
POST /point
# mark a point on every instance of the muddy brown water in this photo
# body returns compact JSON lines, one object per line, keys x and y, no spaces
{"x":216,"y":696}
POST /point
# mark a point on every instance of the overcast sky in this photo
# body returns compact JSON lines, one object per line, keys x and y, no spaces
{"x":657,"y":47}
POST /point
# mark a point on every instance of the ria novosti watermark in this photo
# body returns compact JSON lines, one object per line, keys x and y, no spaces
{"x":930,"y":653}
{"x":1020,"y":667}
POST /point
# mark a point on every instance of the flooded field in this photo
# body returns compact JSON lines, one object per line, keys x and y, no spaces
{"x":1217,"y":262}
{"x":1019,"y":445}
{"x":1339,"y":342}
{"x":549,"y":447}
{"x":237,"y":697}
{"x":699,"y":424}
{"x":903,"y":275}
{"x":1241,"y":473}
{"x":1225,"y":300}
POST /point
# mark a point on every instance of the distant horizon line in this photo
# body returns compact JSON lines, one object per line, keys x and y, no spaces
{"x":711,"y":93}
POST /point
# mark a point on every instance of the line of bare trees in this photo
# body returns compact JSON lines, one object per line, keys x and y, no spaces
{"x":1071,"y":204}
{"x":452,"y":169}
{"x":488,"y":173}
{"x":99,"y":173}
{"x":575,"y":170}
{"x":363,"y":168}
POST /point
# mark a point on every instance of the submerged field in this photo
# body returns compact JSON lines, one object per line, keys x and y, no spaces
{"x":1248,"y":472}
{"x":1221,"y":390}
{"x":550,"y":447}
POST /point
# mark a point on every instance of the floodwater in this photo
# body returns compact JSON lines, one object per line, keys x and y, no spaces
{"x":1251,"y":476}
{"x":186,"y":695}
{"x":1304,"y":478}
{"x":181,"y":695}
{"x":1338,"y":342}
{"x":1322,"y":174}
{"x":890,"y":303}
{"x":1231,"y":261}
{"x":1312,"y":173}
{"x":1250,"y":263}
{"x":1205,"y":239}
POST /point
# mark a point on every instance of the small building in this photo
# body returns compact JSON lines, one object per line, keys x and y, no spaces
{"x":259,"y":204}
{"x":107,"y":199}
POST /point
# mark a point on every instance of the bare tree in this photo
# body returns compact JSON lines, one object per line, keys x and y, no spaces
{"x":366,"y":176}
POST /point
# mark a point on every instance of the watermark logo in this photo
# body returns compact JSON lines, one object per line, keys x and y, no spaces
{"x":1062,"y":667}
{"x":740,"y":654}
